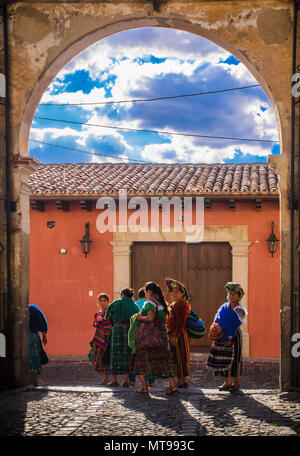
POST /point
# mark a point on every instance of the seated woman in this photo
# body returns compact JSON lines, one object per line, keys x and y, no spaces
{"x":226,"y":329}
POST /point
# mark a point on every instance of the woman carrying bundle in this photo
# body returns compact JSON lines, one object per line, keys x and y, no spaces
{"x":101,"y":338}
{"x":179,"y":310}
{"x":147,"y":362}
{"x":226,"y":352}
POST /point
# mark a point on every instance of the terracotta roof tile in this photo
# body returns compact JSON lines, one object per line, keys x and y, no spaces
{"x":98,"y":179}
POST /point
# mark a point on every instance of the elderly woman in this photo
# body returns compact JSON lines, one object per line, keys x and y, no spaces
{"x":179,"y":310}
{"x":119,"y":313}
{"x":226,"y":334}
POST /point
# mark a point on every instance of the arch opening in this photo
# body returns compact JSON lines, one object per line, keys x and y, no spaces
{"x":217,"y":229}
{"x":99,"y":35}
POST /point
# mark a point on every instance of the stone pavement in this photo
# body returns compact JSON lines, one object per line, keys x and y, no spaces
{"x":70,"y":402}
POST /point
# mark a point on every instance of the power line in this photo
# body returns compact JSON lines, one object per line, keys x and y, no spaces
{"x":85,"y":151}
{"x":149,"y":99}
{"x":157,"y":131}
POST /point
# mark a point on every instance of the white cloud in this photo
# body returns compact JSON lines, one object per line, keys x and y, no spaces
{"x":161,"y":43}
{"x":187,"y":150}
{"x":117,"y":55}
{"x":264,"y":122}
{"x":96,"y":94}
{"x":132,"y":76}
{"x":238,"y":72}
{"x":40,"y":134}
{"x":98,"y":159}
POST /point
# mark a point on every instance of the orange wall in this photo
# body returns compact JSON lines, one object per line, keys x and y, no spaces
{"x":263,"y":273}
{"x":60,"y":284}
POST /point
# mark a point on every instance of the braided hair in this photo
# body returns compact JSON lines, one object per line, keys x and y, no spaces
{"x":127,"y":292}
{"x":156,"y":290}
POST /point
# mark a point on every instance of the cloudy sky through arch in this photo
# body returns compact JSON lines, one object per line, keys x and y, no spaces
{"x":150,"y":63}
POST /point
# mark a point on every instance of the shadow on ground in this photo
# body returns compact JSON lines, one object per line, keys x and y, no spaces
{"x":256,"y":375}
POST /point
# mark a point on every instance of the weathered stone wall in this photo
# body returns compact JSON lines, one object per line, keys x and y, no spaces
{"x":43,"y":37}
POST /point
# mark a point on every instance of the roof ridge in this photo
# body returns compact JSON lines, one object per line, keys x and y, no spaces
{"x":155,"y":164}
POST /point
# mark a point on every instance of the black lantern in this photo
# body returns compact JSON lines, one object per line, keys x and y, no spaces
{"x":272,"y":241}
{"x":85,"y":241}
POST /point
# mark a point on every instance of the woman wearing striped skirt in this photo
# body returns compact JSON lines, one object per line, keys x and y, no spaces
{"x":119,"y":313}
{"x":37,"y":324}
{"x":225,"y":359}
{"x":178,"y":313}
{"x":151,"y":363}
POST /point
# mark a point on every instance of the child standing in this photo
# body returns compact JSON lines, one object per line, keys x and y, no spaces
{"x":99,"y":342}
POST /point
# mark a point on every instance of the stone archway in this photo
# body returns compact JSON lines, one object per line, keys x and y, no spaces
{"x":44,"y":37}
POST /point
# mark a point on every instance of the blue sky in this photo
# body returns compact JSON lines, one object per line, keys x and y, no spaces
{"x":149,"y":63}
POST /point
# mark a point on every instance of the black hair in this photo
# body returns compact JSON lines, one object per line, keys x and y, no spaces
{"x":127,"y":292}
{"x":141,"y":293}
{"x":156,"y":290}
{"x":103,"y":295}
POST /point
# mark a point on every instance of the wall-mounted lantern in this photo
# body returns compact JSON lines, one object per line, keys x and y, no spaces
{"x":272,"y":241}
{"x":85,"y":241}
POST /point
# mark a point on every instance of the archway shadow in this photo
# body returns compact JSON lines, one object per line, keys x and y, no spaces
{"x":13,"y":410}
{"x":221,"y":410}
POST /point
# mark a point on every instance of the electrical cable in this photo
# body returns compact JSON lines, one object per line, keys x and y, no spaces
{"x":157,"y":131}
{"x":149,"y":99}
{"x":85,"y":151}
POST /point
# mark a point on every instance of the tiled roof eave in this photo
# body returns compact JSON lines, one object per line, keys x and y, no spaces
{"x":94,"y":196}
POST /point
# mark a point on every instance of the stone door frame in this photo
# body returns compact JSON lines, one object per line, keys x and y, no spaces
{"x":236,"y":235}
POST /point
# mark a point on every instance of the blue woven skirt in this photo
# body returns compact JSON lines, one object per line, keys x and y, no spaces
{"x":35,"y":352}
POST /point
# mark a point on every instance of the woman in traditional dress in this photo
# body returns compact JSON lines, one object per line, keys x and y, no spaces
{"x":37,"y":324}
{"x":142,"y":298}
{"x":179,"y":310}
{"x":140,"y":302}
{"x":151,"y":363}
{"x":99,"y":342}
{"x":226,"y":330}
{"x":119,"y":313}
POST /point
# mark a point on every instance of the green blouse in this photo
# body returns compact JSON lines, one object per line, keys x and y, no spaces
{"x":150,"y":305}
{"x":121,"y":310}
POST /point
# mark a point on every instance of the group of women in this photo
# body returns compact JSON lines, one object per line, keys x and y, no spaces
{"x":118,"y":351}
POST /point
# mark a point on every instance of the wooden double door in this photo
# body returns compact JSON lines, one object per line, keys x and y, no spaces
{"x":204,"y":268}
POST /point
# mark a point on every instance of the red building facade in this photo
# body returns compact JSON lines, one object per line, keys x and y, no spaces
{"x":239,"y":204}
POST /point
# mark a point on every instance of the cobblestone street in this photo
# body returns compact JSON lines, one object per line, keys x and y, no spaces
{"x":70,"y":402}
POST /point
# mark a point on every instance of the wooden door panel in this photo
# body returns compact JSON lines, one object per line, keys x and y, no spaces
{"x":209,"y":269}
{"x":204,"y":268}
{"x":152,"y":262}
